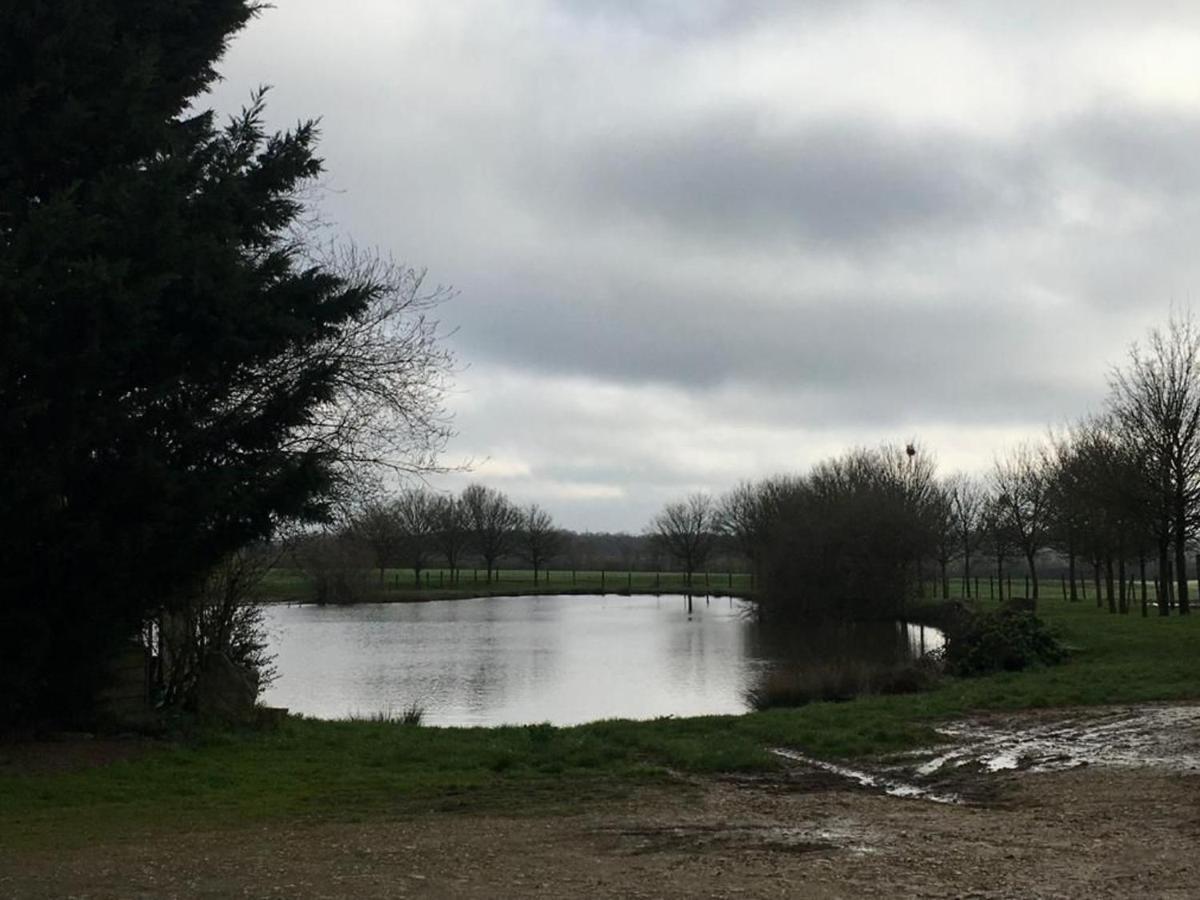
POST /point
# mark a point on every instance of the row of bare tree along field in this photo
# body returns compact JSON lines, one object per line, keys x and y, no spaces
{"x":1112,"y":499}
{"x":1115,"y":495}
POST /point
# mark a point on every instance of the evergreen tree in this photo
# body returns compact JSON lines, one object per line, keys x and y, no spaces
{"x":159,"y":330}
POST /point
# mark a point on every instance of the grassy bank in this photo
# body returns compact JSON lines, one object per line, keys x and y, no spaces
{"x":354,"y":770}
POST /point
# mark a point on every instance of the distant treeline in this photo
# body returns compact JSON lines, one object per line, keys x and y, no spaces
{"x":1115,"y":497}
{"x":480,"y":530}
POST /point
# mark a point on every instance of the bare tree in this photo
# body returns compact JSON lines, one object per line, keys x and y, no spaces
{"x":385,"y":411}
{"x":942,"y":528}
{"x":968,"y":500}
{"x":1068,"y":510}
{"x":539,"y":539}
{"x":998,"y":535}
{"x":748,"y":513}
{"x":1156,"y":402}
{"x":686,"y":531}
{"x":220,"y":616}
{"x":493,"y":521}
{"x":452,"y":531}
{"x":415,"y":513}
{"x":1113,"y":502}
{"x":377,"y":528}
{"x":1022,"y":489}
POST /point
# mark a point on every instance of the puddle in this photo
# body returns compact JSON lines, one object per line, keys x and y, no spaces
{"x":1155,"y":737}
{"x":876,"y":781}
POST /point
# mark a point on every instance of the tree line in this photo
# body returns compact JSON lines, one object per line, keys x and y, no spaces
{"x":418,"y":526}
{"x":1114,"y":496}
{"x":419,"y":529}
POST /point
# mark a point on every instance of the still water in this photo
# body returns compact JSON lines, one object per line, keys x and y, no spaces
{"x":558,"y":659}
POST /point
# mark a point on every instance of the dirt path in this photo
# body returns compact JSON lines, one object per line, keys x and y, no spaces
{"x":1082,"y":833}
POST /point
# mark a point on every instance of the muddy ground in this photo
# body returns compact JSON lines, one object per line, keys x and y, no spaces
{"x":1026,"y":830}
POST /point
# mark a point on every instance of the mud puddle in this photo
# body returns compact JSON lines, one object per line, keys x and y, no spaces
{"x":888,"y":784}
{"x":1161,"y":738}
{"x":1153,"y":737}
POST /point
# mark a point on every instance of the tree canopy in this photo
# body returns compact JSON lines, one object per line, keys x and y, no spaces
{"x":169,"y":349}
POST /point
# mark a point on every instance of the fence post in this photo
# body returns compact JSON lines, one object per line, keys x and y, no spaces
{"x":602,"y":581}
{"x":629,"y":581}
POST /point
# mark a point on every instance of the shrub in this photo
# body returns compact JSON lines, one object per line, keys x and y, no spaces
{"x":1005,"y":640}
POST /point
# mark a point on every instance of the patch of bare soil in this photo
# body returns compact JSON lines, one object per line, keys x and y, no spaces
{"x":1080,"y":833}
{"x":1093,"y":831}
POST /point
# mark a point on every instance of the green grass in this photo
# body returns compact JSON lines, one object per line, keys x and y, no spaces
{"x":312,"y":770}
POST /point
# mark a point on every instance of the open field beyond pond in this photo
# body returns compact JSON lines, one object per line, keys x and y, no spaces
{"x":643,"y":796}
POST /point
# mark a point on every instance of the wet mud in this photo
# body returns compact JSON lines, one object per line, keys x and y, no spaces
{"x":964,"y":770}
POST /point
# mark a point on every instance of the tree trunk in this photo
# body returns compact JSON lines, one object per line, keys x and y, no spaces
{"x":1096,"y":579}
{"x":1181,"y":573}
{"x":1033,"y":579}
{"x":945,"y":580}
{"x":1142,"y":575}
{"x":1164,"y":579}
{"x":1123,"y":598}
{"x":1108,"y":584}
{"x":1071,"y":571}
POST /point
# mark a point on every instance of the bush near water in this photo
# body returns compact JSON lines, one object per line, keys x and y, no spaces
{"x":1003,"y":640}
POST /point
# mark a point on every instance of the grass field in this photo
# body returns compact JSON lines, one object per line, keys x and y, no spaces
{"x":354,"y":770}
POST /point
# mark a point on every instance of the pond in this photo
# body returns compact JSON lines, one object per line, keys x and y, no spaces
{"x":558,"y":659}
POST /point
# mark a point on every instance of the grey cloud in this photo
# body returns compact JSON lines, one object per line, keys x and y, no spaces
{"x":835,"y":182}
{"x":856,"y":272}
{"x":694,"y":18}
{"x":846,"y":359}
{"x":1146,"y":151}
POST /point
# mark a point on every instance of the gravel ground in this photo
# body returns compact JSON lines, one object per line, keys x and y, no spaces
{"x":1087,"y":832}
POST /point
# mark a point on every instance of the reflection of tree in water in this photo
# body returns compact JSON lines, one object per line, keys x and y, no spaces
{"x":829,"y":642}
{"x":834,"y":660}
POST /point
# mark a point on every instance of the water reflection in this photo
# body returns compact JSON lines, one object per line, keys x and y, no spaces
{"x":560,"y":659}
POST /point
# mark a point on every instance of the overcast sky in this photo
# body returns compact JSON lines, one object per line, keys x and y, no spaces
{"x":701,"y":241}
